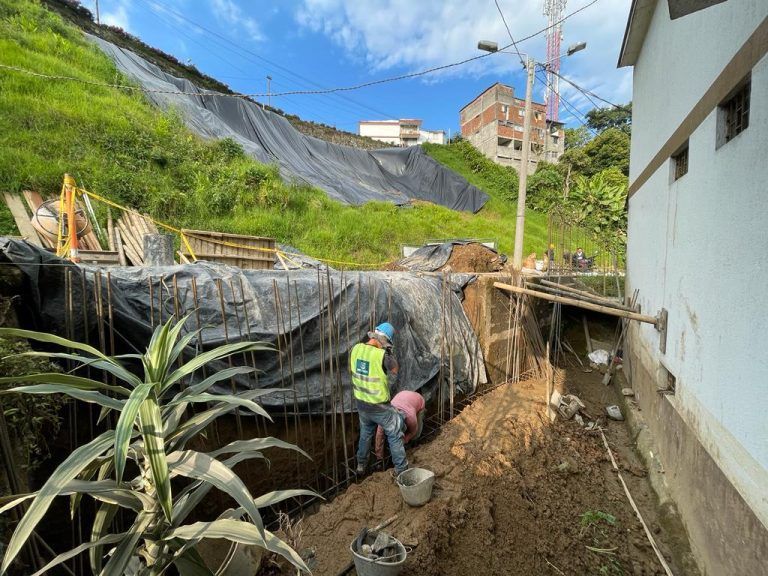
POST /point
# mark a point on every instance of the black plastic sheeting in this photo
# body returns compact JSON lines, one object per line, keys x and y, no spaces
{"x":347,"y":174}
{"x":235,"y":304}
{"x":434,"y":256}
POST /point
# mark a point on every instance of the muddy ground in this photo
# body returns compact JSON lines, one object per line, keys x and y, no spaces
{"x":514,"y":494}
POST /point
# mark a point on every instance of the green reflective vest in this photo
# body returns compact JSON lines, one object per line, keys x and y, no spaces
{"x":369,"y":381}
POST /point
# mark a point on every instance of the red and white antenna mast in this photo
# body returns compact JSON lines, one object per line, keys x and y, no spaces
{"x":553,"y":10}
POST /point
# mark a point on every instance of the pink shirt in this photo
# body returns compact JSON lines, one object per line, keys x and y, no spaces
{"x":410,"y":404}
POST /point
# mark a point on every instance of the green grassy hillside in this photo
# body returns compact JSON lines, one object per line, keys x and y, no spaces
{"x":118,"y":145}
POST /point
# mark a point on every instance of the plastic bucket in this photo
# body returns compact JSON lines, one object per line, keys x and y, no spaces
{"x":416,"y":486}
{"x":379,"y":567}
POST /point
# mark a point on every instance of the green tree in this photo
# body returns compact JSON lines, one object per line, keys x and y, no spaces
{"x":576,"y":137}
{"x":608,"y":149}
{"x":619,"y":117}
{"x":599,"y":205}
{"x":545,"y":187}
{"x":154,"y":424}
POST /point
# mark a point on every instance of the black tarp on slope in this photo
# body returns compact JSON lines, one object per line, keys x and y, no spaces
{"x":358,"y":301}
{"x":346,"y":174}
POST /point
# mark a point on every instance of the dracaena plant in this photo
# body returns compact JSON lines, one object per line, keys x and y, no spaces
{"x":149,"y":442}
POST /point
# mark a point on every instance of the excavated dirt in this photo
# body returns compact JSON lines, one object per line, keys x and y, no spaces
{"x":473,"y":258}
{"x":514,"y":494}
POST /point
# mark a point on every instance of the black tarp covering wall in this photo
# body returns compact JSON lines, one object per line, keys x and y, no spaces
{"x":346,"y":174}
{"x":323,"y":312}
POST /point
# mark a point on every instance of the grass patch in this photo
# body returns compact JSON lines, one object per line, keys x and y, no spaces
{"x":118,"y":145}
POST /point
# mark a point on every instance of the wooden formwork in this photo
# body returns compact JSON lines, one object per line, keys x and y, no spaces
{"x":251,"y":252}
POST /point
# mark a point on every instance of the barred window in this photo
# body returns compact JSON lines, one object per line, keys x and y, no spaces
{"x":681,"y":163}
{"x":734,"y":114}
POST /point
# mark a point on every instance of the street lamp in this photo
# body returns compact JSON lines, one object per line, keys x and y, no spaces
{"x":530,"y":65}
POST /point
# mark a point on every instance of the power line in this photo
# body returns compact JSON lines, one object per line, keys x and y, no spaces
{"x":584,"y":91}
{"x":509,"y":32}
{"x":576,"y":114}
{"x":302,"y":79}
{"x":291,"y":92}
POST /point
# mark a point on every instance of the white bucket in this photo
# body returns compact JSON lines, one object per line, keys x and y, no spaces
{"x":416,"y":485}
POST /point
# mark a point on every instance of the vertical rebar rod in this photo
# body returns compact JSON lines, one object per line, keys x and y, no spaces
{"x":322,"y":368}
{"x":278,"y":316}
{"x":233,"y":384}
{"x":199,"y":347}
{"x":328,"y":336}
{"x":151,"y":302}
{"x":160,"y":302}
{"x":440,"y":400}
{"x":452,"y":385}
{"x":348,"y":348}
{"x":336,"y":335}
{"x":256,"y":417}
{"x":306,"y":383}
{"x":288,"y":339}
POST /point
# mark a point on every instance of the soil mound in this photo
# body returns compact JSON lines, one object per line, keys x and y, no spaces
{"x":513,"y":495}
{"x":473,"y":258}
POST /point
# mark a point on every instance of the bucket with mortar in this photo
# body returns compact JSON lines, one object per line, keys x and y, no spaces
{"x":416,"y":485}
{"x":389,"y":565}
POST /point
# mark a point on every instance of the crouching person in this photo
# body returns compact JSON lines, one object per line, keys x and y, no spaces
{"x":411,"y":407}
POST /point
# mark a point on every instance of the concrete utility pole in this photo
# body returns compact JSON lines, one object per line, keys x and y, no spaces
{"x":517,"y":258}
{"x":269,"y":91}
{"x":98,"y":20}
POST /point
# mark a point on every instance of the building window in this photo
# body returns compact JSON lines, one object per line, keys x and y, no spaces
{"x":733,"y":113}
{"x":680,"y":160}
{"x":517,"y":145}
{"x":520,"y":112}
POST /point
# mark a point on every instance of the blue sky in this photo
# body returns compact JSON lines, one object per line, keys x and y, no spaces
{"x":304,"y":44}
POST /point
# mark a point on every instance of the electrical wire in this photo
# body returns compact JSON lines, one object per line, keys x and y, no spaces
{"x":584,"y":91}
{"x":293,"y":92}
{"x":252,"y":54}
{"x":576,"y":113}
{"x":242,"y":51}
{"x":509,"y":32}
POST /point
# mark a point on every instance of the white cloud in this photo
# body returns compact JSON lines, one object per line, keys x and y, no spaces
{"x":117,"y":15}
{"x":417,"y":34}
{"x":230,"y":14}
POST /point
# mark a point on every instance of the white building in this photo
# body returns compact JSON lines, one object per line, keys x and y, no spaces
{"x":405,"y":132}
{"x":698,"y":248}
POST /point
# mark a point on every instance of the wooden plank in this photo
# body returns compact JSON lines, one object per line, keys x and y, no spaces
{"x":120,"y":249}
{"x":111,"y":231}
{"x":99,"y":256}
{"x":22,"y":219}
{"x":129,"y":243}
{"x":578,"y":303}
{"x":34,"y":200}
{"x":182,"y":257}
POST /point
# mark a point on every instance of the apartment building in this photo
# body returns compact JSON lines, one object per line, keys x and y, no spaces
{"x":493,"y":122}
{"x":404,"y":132}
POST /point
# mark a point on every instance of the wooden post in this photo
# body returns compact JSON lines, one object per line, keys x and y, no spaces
{"x":578,"y":303}
{"x":69,"y":188}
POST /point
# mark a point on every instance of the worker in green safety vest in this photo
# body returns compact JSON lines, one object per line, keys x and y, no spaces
{"x":374,"y":373}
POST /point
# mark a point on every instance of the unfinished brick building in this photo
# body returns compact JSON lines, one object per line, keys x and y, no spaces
{"x":493,"y":123}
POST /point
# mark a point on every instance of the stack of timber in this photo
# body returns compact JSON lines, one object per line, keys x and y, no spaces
{"x":29,"y":215}
{"x":128,"y":235}
{"x":250,"y":252}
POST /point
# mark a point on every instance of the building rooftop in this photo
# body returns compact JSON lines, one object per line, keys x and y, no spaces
{"x":493,"y":86}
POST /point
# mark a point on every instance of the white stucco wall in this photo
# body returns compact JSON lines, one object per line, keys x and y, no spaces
{"x":679,"y":60}
{"x":699,"y":246}
{"x":385,"y":132}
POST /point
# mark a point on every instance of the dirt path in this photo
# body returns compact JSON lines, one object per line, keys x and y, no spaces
{"x":514,"y":495}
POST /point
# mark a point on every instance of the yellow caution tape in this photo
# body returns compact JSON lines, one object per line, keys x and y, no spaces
{"x":185,"y":235}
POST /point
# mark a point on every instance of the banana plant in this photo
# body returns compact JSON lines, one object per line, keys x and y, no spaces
{"x":131,"y":466}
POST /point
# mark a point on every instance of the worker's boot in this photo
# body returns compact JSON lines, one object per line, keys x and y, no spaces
{"x":360,"y":470}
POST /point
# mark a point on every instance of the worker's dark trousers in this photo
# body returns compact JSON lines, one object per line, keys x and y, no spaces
{"x":390,"y":421}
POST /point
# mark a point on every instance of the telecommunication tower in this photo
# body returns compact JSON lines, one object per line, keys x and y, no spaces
{"x":553,"y":10}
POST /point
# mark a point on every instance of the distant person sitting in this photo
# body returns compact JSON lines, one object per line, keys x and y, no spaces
{"x":579,"y":259}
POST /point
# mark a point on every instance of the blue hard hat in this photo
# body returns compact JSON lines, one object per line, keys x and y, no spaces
{"x":387,"y":329}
